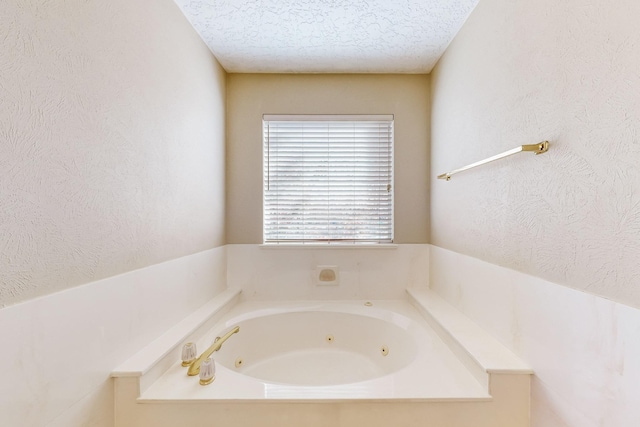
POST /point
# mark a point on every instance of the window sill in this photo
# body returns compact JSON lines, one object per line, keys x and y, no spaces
{"x":328,"y":246}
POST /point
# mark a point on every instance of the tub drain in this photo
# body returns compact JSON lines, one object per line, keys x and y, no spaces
{"x":384,"y":350}
{"x":239,"y":362}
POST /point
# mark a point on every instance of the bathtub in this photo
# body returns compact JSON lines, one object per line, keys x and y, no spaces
{"x":319,"y":347}
{"x":319,"y":363}
{"x":326,"y":351}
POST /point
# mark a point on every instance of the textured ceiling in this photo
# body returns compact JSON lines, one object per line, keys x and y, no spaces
{"x":330,"y":36}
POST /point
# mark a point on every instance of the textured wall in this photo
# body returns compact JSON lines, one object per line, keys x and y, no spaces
{"x":252,"y":95}
{"x":111,"y":142}
{"x":520,"y":72}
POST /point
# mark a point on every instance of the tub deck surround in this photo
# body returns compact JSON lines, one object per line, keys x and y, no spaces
{"x":436,"y":385}
{"x":480,"y":351}
{"x":154,"y":359}
{"x":434,"y":373}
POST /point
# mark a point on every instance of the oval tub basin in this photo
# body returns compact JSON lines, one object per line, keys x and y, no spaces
{"x":317,"y":348}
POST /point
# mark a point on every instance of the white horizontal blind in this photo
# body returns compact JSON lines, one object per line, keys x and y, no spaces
{"x":328,"y":179}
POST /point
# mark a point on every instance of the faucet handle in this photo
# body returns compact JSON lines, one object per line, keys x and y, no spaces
{"x":189,"y":353}
{"x":207,"y":371}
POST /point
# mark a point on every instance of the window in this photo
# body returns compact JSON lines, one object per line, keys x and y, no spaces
{"x":328,"y":179}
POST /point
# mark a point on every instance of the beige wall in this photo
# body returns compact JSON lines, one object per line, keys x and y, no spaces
{"x":520,"y":72}
{"x":111,"y":142}
{"x":251,"y":95}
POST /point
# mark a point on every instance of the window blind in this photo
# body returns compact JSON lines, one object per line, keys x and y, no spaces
{"x":328,"y":178}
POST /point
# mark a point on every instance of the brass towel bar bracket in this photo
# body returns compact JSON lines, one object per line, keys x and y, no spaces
{"x":539,"y":148}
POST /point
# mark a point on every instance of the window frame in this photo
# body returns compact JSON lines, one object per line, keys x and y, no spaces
{"x":327,"y":118}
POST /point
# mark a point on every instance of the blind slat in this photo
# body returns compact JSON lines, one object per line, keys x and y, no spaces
{"x":328,"y":180}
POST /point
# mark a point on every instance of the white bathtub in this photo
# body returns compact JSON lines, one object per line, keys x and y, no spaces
{"x":290,"y":375}
{"x":326,"y":351}
{"x":318,"y":348}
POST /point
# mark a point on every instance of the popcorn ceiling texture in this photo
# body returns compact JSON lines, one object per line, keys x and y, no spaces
{"x":111,"y":142}
{"x":338,"y":36}
{"x":520,"y":72}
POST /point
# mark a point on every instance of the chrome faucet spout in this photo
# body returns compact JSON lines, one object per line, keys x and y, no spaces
{"x":194,"y":368}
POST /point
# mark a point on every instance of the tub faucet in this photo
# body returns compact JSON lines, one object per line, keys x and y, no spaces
{"x":194,"y":368}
